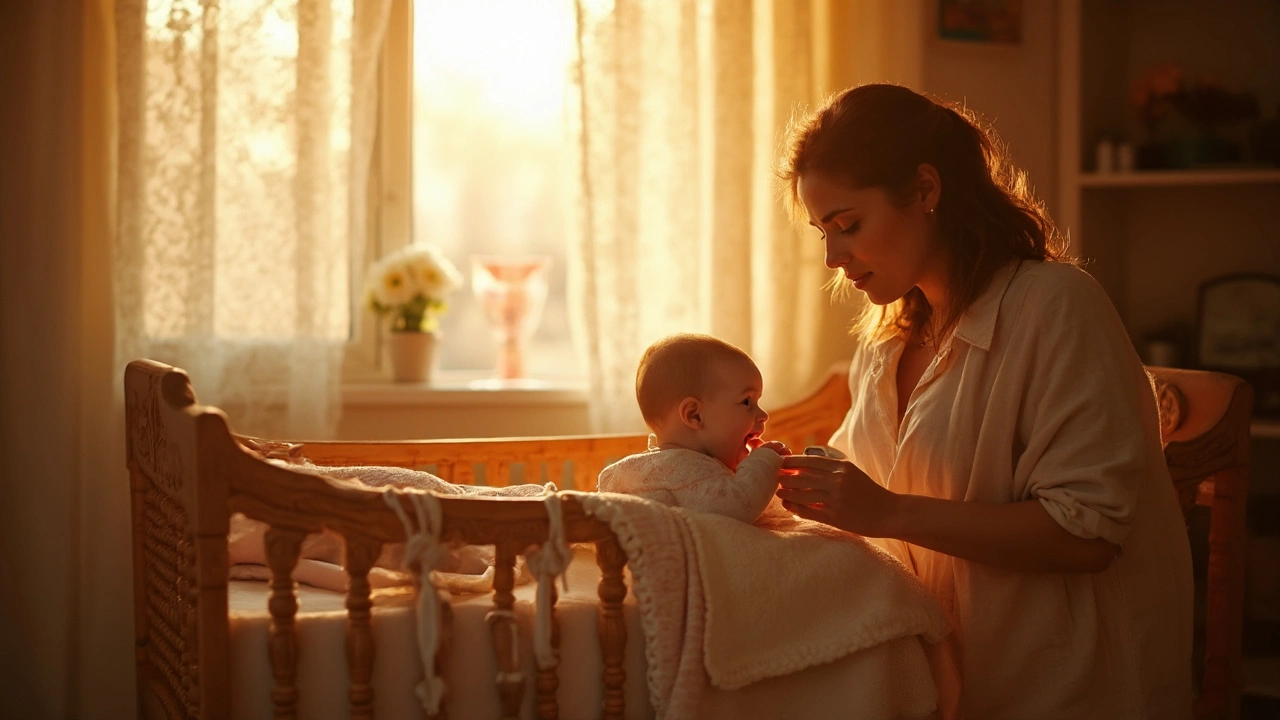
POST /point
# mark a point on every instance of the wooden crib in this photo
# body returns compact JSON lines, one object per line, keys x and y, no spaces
{"x":189,"y":473}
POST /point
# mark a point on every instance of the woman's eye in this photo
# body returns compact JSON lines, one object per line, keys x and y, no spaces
{"x":853,"y":228}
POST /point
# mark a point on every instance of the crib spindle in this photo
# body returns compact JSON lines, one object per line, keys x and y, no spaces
{"x":443,"y":650}
{"x":360,"y":652}
{"x":283,"y":547}
{"x":502,"y":627}
{"x":497,"y":473}
{"x":585,"y":474}
{"x":463,"y":473}
{"x":548,"y":707}
{"x":613,"y":631}
{"x":554,"y":467}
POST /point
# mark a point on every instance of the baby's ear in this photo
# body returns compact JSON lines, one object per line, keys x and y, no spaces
{"x":690,"y":411}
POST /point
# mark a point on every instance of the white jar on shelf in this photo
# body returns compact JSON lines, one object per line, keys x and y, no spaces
{"x":1104,"y":157}
{"x":1124,"y":157}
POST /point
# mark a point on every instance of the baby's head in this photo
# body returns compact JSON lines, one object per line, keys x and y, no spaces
{"x":701,"y":393}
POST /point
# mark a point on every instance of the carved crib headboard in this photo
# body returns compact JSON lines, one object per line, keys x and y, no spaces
{"x":180,"y":524}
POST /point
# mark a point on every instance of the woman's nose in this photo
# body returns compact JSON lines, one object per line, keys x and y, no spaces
{"x":835,"y":257}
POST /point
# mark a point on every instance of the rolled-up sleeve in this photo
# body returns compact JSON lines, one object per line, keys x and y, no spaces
{"x":1085,"y":442}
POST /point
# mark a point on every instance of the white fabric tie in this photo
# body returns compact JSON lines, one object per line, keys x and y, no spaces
{"x":422,"y":554}
{"x":548,"y":562}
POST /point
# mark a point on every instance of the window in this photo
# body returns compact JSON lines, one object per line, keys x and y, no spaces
{"x":492,"y":169}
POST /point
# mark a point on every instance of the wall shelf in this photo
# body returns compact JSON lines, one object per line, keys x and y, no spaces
{"x":1268,"y":428}
{"x":1175,"y":178}
{"x":1154,"y":236}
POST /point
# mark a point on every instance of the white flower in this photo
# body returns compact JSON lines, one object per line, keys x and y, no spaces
{"x":431,"y":272}
{"x":411,"y":285}
{"x":391,"y":283}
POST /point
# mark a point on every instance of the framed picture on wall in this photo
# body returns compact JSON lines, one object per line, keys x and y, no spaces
{"x":981,"y":21}
{"x":1239,"y":332}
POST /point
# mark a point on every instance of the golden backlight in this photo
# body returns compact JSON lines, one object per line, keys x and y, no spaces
{"x":502,"y":56}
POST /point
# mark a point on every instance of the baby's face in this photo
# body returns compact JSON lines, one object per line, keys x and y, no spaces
{"x":732,"y":417}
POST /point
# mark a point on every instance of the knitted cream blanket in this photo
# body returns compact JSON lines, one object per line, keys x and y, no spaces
{"x":729,"y":603}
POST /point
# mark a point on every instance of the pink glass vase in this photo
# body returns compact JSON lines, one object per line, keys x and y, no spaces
{"x":512,"y":290}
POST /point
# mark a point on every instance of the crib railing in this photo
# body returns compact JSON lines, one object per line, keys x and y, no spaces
{"x":189,"y":474}
{"x":570,"y":462}
{"x":291,"y":503}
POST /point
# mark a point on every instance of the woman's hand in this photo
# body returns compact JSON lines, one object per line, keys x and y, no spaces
{"x":1019,"y":536}
{"x":837,"y":493}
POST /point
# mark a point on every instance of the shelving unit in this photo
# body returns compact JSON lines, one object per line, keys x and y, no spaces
{"x":1180,"y":178}
{"x":1152,"y":237}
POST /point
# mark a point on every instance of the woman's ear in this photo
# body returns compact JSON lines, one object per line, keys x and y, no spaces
{"x":691,"y":412}
{"x":928,"y":186}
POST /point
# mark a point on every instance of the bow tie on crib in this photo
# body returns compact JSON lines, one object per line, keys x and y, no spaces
{"x":424,"y":553}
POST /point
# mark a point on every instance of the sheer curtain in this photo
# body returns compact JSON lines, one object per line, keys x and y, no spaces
{"x":682,"y":109}
{"x":245,"y":138}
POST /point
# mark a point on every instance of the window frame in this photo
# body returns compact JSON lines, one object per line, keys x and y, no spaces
{"x":390,"y":190}
{"x":389,"y":227}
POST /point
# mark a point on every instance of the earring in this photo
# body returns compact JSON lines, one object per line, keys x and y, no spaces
{"x":930,"y":211}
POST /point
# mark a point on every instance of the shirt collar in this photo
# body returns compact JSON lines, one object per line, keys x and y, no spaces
{"x":977,"y":325}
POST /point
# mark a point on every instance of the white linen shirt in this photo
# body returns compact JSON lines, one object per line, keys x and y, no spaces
{"x":1039,"y":395}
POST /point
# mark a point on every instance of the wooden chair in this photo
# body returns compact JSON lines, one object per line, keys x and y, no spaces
{"x":1204,"y":419}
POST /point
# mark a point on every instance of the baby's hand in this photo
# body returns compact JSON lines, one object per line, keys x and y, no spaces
{"x":776,"y":446}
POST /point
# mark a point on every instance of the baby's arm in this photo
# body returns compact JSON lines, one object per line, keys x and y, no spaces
{"x":743,"y":495}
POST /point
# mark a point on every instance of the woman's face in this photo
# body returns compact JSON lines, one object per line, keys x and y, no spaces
{"x":882,"y":248}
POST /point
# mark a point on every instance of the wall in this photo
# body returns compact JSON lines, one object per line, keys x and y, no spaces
{"x":1011,"y":86}
{"x":1176,"y":238}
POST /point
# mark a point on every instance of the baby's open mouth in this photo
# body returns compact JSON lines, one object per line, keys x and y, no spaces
{"x":752,"y":441}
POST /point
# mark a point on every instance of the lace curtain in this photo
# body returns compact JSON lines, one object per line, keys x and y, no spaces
{"x":682,"y":108}
{"x":245,"y":138}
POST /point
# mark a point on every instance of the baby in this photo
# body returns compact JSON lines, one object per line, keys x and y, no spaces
{"x":699,"y":396}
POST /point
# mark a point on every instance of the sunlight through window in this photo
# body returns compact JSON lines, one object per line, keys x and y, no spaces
{"x":491,"y":156}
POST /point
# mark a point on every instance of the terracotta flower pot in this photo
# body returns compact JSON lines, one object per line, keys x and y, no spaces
{"x":413,"y":356}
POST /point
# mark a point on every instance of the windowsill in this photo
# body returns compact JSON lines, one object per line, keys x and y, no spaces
{"x":462,"y":388}
{"x":458,"y":404}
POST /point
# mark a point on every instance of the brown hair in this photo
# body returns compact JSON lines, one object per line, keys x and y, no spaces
{"x":676,"y":367}
{"x":877,"y":136}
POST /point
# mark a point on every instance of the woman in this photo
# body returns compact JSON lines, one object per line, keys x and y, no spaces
{"x":1003,"y":438}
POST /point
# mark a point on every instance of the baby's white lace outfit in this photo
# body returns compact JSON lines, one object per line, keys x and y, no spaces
{"x":699,"y":482}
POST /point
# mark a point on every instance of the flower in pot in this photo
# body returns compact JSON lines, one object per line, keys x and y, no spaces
{"x":411,"y":288}
{"x":1207,"y":104}
{"x":1152,"y":96}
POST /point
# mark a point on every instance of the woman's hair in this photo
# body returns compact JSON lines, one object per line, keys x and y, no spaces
{"x":877,"y":136}
{"x":676,"y":367}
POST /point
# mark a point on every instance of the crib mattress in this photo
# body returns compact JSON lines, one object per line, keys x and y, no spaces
{"x":882,"y":682}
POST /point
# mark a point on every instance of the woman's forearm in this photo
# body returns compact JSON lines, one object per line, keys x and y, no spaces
{"x":1019,"y":536}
